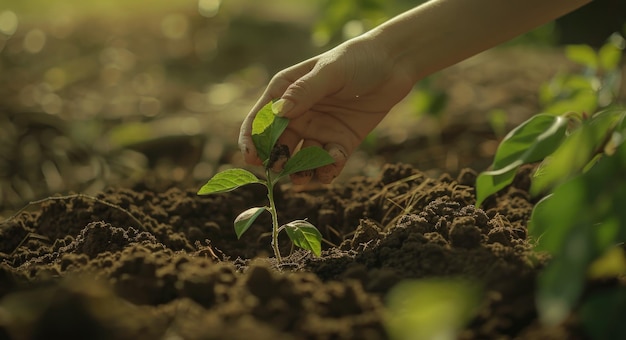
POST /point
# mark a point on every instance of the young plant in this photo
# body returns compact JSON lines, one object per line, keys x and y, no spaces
{"x":266,"y":128}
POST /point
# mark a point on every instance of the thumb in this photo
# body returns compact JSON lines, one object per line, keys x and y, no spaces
{"x":305,"y":92}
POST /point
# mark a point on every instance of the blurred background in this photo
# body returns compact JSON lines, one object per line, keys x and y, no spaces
{"x":150,"y":94}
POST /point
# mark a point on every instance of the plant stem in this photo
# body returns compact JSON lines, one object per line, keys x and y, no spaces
{"x":270,"y":197}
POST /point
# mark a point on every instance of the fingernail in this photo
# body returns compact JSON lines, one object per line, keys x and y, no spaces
{"x":282,"y":106}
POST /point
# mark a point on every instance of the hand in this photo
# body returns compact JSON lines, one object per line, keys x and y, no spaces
{"x":333,"y":101}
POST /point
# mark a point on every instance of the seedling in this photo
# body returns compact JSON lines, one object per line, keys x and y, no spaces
{"x":266,"y":128}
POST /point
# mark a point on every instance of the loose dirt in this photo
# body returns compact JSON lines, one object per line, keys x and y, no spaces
{"x":132,"y":264}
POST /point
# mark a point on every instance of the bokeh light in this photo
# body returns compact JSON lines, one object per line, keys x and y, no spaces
{"x":175,"y":26}
{"x":34,"y":41}
{"x":209,"y":8}
{"x":8,"y":22}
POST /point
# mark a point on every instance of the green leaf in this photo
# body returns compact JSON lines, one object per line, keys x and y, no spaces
{"x":490,"y":182}
{"x":304,"y":235}
{"x":578,"y":149}
{"x":307,"y":158}
{"x":560,"y":286}
{"x":548,"y":226}
{"x":569,"y":92}
{"x":431,"y":308}
{"x":228,"y":180}
{"x":263,"y":119}
{"x":266,"y":128}
{"x":245,"y":220}
{"x":582,"y":54}
{"x":577,"y":225}
{"x":537,"y":225}
{"x":602,"y":313}
{"x":530,"y":142}
{"x":609,"y":56}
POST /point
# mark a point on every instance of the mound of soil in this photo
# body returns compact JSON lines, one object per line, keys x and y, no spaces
{"x":132,"y":264}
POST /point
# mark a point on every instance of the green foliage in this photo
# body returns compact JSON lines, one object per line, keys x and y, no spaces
{"x":581,"y":221}
{"x":497,"y":119}
{"x":427,"y":99}
{"x":579,"y":149}
{"x":430,"y":309}
{"x":331,"y":27}
{"x":530,"y":142}
{"x":266,"y":128}
{"x":595,"y":88}
{"x":603,"y":313}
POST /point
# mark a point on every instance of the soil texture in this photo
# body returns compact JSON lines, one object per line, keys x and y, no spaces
{"x":133,"y":264}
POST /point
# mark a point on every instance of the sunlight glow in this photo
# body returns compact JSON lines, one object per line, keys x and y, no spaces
{"x":34,"y":41}
{"x":209,"y":8}
{"x":8,"y":22}
{"x":175,"y":26}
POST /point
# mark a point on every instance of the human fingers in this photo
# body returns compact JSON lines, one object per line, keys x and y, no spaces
{"x":246,"y":145}
{"x":283,"y":149}
{"x":327,"y":173}
{"x":307,"y":90}
{"x":275,"y":89}
{"x":304,"y":177}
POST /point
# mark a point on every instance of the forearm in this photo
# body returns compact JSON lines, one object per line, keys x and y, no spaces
{"x":441,"y":33}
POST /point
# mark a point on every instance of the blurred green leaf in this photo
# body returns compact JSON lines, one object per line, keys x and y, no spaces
{"x":609,"y":56}
{"x":582,"y":54}
{"x":430,"y":308}
{"x":612,"y":263}
{"x":533,"y":140}
{"x":578,"y":149}
{"x":570,"y":92}
{"x":228,"y":180}
{"x":246,"y":219}
{"x":577,"y":225}
{"x":549,"y":226}
{"x":610,"y":53}
{"x":498,"y":119}
{"x":304,"y":235}
{"x":559,"y":287}
{"x":602,"y":314}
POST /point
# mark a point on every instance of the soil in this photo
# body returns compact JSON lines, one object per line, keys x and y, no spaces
{"x":133,"y":264}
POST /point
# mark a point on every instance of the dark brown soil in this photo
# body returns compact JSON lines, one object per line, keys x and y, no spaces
{"x":130,"y":264}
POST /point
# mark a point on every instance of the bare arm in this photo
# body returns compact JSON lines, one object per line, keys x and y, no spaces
{"x":335,"y":99}
{"x":440,"y":33}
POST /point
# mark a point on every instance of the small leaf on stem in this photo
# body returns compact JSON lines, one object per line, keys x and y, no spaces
{"x":304,"y":235}
{"x":228,"y":180}
{"x":307,"y":158}
{"x":245,"y":220}
{"x":266,"y":128}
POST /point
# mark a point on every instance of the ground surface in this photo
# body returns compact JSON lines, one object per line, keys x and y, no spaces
{"x":131,"y":264}
{"x":136,"y":115}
